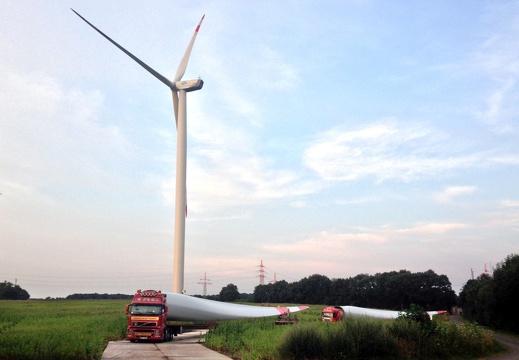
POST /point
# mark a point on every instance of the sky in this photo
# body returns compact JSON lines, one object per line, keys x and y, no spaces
{"x":331,"y":138}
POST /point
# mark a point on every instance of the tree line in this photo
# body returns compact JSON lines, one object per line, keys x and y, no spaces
{"x":491,"y":300}
{"x":395,"y":290}
{"x":96,"y":296}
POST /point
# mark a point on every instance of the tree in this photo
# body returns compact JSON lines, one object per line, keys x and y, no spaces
{"x":491,"y":300}
{"x":399,"y":289}
{"x":313,"y":290}
{"x":280,"y":292}
{"x":339,"y":292}
{"x":8,"y":291}
{"x":262,"y":293}
{"x":229,"y":293}
{"x":506,"y":285}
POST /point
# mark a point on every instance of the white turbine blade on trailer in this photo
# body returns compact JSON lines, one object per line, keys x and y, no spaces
{"x":185,"y":59}
{"x":189,"y":308}
{"x":378,"y":313}
{"x":141,"y":63}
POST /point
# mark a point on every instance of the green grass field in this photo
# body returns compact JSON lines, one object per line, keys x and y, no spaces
{"x":358,"y":338}
{"x":60,"y":329}
{"x":80,"y":329}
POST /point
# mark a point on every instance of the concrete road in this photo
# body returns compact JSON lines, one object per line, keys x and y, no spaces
{"x":185,"y":346}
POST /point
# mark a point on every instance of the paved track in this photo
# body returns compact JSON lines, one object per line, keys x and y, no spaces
{"x":185,"y":346}
{"x":513,"y":348}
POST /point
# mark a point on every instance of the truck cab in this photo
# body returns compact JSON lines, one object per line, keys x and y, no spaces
{"x":332,"y":314}
{"x":147,"y":317}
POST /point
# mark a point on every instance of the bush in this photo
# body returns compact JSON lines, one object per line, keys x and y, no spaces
{"x":352,"y":339}
{"x":442,"y":339}
{"x":302,"y":342}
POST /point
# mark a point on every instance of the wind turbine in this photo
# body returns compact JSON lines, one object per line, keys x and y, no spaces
{"x":179,"y":88}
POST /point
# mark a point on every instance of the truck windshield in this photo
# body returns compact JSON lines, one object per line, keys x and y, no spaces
{"x":137,"y":309}
{"x":328,"y":315}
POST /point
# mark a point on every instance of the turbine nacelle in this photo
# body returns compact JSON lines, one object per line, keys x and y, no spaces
{"x":189,"y":85}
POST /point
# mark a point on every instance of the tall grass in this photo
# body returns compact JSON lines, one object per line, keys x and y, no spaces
{"x":254,"y":339}
{"x":357,"y":338}
{"x":246,"y":339}
{"x":61,"y":329}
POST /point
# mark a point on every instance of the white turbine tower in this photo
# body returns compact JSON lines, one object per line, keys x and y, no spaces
{"x":179,"y":88}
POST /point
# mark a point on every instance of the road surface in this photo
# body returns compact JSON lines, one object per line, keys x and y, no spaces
{"x":185,"y":347}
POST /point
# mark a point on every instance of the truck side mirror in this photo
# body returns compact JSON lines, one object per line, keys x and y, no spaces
{"x":127,"y":309}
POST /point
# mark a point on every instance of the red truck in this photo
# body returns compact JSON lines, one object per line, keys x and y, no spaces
{"x":147,"y":318}
{"x":332,"y":314}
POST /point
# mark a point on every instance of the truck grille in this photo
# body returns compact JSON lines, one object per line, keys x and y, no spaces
{"x":144,"y":323}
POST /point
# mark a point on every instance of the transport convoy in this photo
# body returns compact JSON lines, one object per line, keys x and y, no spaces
{"x":147,"y":317}
{"x":150,"y":310}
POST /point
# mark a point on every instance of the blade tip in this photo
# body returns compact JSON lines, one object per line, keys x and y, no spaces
{"x":200,"y":23}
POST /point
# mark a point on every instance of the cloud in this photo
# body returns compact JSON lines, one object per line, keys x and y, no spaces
{"x":447,"y":195}
{"x":275,"y":72}
{"x":326,"y":244}
{"x":298,"y":204}
{"x":510,"y":204}
{"x":228,"y":167}
{"x":382,"y":248}
{"x":496,"y":103}
{"x":431,"y":228}
{"x":498,"y":58}
{"x":46,"y":129}
{"x":385,"y":150}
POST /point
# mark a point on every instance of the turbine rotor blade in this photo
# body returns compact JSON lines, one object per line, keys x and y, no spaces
{"x":183,"y":64}
{"x":141,"y":63}
{"x":175,"y":106}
